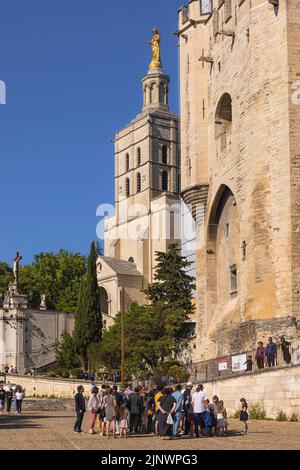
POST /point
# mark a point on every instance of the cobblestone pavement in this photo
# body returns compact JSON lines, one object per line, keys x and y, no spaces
{"x":53,"y":431}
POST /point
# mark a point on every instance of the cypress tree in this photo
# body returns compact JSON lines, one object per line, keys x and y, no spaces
{"x":172,"y":285}
{"x":88,"y":320}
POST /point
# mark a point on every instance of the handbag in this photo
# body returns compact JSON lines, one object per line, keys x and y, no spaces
{"x":170,"y":419}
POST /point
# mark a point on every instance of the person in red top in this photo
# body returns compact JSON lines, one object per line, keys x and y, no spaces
{"x":260,"y":355}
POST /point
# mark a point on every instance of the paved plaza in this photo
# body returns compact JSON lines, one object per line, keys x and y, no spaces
{"x":53,"y":431}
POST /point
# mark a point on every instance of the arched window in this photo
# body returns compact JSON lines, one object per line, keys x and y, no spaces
{"x":162,"y":93}
{"x":165,"y":182}
{"x":165,"y":155}
{"x":138,"y":183}
{"x":127,"y":161}
{"x":138,"y":156}
{"x":104,"y":301}
{"x":127,"y":187}
{"x":223,"y":121}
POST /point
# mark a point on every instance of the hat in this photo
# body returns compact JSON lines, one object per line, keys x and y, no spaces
{"x":189,"y":384}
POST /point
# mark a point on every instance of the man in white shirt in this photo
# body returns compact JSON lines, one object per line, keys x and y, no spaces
{"x":199,"y":407}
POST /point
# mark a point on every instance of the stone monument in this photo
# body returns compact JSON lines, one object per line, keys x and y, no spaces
{"x":13,"y":299}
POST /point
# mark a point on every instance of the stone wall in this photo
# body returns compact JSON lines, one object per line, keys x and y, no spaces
{"x":251,"y":154}
{"x":274,"y":390}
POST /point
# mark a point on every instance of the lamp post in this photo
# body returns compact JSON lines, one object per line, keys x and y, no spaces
{"x":123,"y":339}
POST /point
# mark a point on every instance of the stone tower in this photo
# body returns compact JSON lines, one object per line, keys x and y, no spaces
{"x":240,"y":123}
{"x":147,"y":201}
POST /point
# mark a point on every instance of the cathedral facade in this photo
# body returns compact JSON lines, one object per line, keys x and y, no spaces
{"x":240,"y":147}
{"x":147,"y":196}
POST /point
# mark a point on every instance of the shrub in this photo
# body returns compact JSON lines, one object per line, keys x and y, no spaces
{"x":281,"y":416}
{"x":237,"y":414}
{"x":294,"y":418}
{"x":77,"y":373}
{"x":52,"y":375}
{"x":63,"y":373}
{"x":257,"y":413}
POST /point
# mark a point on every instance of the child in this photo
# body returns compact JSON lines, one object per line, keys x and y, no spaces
{"x":219,"y":416}
{"x":123,"y":415}
{"x":249,"y":364}
{"x":225,"y":416}
{"x":244,"y":414}
{"x":209,"y":411}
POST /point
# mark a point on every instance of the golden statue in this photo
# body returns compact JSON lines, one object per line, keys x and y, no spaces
{"x":155,"y":46}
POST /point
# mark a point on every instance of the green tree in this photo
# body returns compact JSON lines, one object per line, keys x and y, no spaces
{"x":58,"y":276}
{"x":88,"y":319}
{"x":65,"y":353}
{"x":154,"y":333}
{"x":6,"y":276}
{"x":172,"y":286}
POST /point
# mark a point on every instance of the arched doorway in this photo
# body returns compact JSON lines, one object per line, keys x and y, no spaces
{"x":223,"y":252}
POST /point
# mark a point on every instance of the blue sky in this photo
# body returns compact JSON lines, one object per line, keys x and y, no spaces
{"x":72,"y":70}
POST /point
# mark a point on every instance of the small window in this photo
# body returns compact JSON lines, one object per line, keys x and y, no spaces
{"x":127,"y":187}
{"x":233,"y":279}
{"x":205,"y":7}
{"x":227,"y":10}
{"x":165,"y":182}
{"x":138,"y":156}
{"x":165,"y":155}
{"x":185,"y":13}
{"x":138,"y":183}
{"x":127,"y":161}
{"x":215,"y":22}
{"x":227,"y":230}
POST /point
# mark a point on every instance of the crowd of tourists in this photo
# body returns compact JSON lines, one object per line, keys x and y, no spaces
{"x":11,"y":397}
{"x":166,"y":412}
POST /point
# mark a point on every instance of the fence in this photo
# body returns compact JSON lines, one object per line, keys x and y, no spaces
{"x":231,"y":365}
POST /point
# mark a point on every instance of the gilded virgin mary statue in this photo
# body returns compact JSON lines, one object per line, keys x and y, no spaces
{"x":155,"y":46}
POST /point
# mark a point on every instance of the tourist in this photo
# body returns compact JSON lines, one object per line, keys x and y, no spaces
{"x":167,"y":407}
{"x":19,"y":399}
{"x":249,"y":364}
{"x":225,"y":415}
{"x":110,"y":406}
{"x":135,"y":404}
{"x":210,"y":416}
{"x":271,"y":353}
{"x":179,"y":409}
{"x":123,"y":414}
{"x":119,"y":400}
{"x":9,"y":399}
{"x":80,"y":409}
{"x":189,"y":422}
{"x":260,"y":356}
{"x":244,"y":414}
{"x":285,"y":348}
{"x":101,"y":410}
{"x":199,"y":407}
{"x":156,"y":396}
{"x":2,"y":399}
{"x":6,"y":369}
{"x":148,"y":414}
{"x":93,"y":407}
{"x":219,"y":415}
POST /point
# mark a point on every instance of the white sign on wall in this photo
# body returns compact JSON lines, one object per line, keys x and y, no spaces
{"x":238,"y":363}
{"x":223,"y":365}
